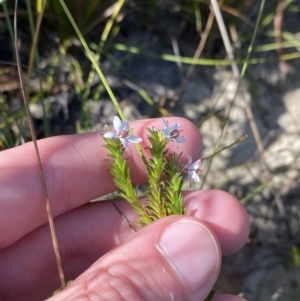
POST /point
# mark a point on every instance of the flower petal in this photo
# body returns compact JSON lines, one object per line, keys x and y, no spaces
{"x":117,"y":124}
{"x":124,"y":126}
{"x":196,"y":165}
{"x":166,"y":123}
{"x":174,"y":127}
{"x":180,"y":140}
{"x":195,"y":176}
{"x":110,"y":135}
{"x":134,"y":139}
{"x":166,"y":133}
{"x":189,"y":160}
{"x":124,"y":142}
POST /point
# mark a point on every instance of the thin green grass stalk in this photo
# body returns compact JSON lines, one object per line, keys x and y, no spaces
{"x":94,"y":47}
{"x":8,"y":139}
{"x":109,"y":25}
{"x":8,"y":22}
{"x":242,"y":138}
{"x":35,"y":36}
{"x":39,"y":5}
{"x":107,"y":29}
{"x":78,"y":73}
{"x":84,"y":116}
{"x":34,"y":57}
{"x":63,"y":52}
{"x":99,"y":71}
{"x":250,"y":48}
{"x":98,"y":92}
{"x":93,"y":59}
{"x":295,"y":8}
{"x":5,"y":142}
{"x":289,"y":56}
{"x":30,"y":17}
{"x":268,"y":19}
{"x":256,"y":191}
{"x":8,"y":121}
{"x":201,"y":62}
{"x":244,"y":69}
{"x":197,"y":17}
{"x":290,"y":37}
{"x":18,"y":130}
{"x":50,"y":75}
{"x":275,"y":46}
{"x":295,"y":256}
{"x":114,"y":32}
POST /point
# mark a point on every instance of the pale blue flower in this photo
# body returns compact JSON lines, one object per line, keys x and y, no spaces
{"x":192,"y":169}
{"x":122,"y":132}
{"x":172,"y":133}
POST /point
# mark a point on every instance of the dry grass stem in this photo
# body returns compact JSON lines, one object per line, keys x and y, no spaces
{"x":40,"y":166}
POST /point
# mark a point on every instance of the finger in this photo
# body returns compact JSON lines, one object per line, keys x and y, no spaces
{"x":224,"y":214}
{"x":76,"y":172}
{"x":177,"y":258}
{"x":83,"y":237}
{"x":88,"y":232}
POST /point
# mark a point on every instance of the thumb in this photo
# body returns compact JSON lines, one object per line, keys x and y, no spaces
{"x":176,"y":258}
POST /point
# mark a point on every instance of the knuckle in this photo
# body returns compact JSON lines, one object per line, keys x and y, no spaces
{"x":110,"y":286}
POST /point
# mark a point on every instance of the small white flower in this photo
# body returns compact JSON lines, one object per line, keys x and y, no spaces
{"x":192,"y":169}
{"x":122,"y":132}
{"x":172,"y":133}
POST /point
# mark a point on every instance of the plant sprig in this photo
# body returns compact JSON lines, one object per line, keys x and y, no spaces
{"x":165,"y":173}
{"x":155,"y":168}
{"x":120,"y":170}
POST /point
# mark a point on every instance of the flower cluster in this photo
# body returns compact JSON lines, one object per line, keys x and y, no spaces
{"x":165,"y":173}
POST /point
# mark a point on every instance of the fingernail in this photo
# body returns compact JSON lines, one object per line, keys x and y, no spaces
{"x":192,"y":251}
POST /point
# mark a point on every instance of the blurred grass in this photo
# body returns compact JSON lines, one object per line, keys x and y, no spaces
{"x":85,"y":13}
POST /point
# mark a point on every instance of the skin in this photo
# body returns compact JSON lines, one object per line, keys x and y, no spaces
{"x":96,"y":244}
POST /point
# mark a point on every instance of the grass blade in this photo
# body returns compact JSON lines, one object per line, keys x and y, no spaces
{"x":93,"y":59}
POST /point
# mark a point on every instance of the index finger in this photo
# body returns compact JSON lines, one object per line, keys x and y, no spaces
{"x":76,"y":172}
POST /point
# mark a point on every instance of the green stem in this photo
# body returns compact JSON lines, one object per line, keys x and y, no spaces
{"x":93,"y":59}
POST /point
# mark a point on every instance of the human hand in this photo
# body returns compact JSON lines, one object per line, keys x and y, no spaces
{"x":176,"y":258}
